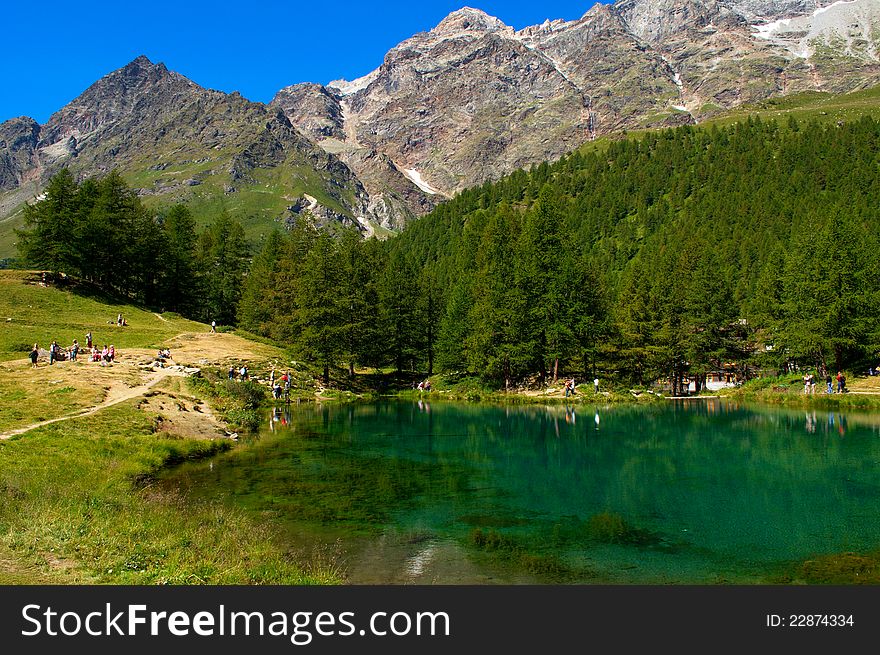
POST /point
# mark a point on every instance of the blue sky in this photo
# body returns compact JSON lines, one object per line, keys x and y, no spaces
{"x":52,"y":51}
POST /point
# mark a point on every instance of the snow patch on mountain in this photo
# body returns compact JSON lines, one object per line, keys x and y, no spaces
{"x":416,"y":178}
{"x":850,"y":23}
{"x":345,"y":88}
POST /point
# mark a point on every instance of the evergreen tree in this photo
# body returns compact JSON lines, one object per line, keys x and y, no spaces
{"x":51,"y":238}
{"x":223,"y":262}
{"x":181,"y":281}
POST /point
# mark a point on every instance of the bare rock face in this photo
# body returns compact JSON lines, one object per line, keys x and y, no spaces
{"x":473,"y":99}
{"x":18,"y":150}
{"x":312,"y":109}
{"x":465,"y":103}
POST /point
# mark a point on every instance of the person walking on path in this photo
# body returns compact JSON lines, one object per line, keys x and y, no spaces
{"x":35,"y":355}
{"x":829,"y":381}
{"x":74,"y":350}
{"x":213,"y":326}
{"x":53,"y":352}
{"x":841,"y":382}
{"x":596,"y":385}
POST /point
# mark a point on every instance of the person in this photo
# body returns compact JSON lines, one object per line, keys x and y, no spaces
{"x":840,"y":379}
{"x":829,"y":381}
{"x":53,"y":352}
{"x":232,"y":372}
{"x":806,"y":379}
{"x":596,"y":385}
{"x":74,"y":350}
{"x":427,"y":385}
{"x":272,"y":378}
{"x":244,"y":372}
{"x":105,"y":355}
{"x":89,"y":339}
{"x":276,"y":390}
{"x":421,"y":386}
{"x":35,"y":355}
{"x":213,"y":326}
{"x":112,"y":352}
{"x":119,"y":320}
{"x":812,"y":384}
{"x":567,"y":388}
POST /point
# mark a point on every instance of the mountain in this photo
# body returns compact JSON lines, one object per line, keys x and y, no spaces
{"x":466,"y":102}
{"x":176,"y":141}
{"x":473,"y":99}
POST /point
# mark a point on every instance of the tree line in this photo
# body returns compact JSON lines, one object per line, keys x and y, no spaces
{"x":669,"y":256}
{"x":98,"y":231}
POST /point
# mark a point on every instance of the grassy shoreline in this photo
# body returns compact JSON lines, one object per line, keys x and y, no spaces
{"x":77,"y":500}
{"x":78,"y":506}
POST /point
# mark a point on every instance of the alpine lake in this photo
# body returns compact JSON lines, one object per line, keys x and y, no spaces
{"x":426,"y":492}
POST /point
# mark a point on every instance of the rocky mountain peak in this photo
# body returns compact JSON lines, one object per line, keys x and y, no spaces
{"x":113,"y":96}
{"x":468,"y":19}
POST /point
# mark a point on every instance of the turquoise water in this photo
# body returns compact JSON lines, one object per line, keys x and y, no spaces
{"x":691,"y":492}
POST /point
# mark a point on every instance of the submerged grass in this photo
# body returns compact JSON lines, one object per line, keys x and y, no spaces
{"x":77,"y":506}
{"x":833,"y":569}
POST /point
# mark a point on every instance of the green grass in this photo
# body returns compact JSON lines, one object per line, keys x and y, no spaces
{"x":77,"y":503}
{"x":803,"y":107}
{"x":77,"y":506}
{"x":788,"y":390}
{"x":808,"y":106}
{"x":32,"y":313}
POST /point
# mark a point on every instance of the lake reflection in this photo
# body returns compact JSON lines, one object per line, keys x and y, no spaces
{"x":685,"y":492}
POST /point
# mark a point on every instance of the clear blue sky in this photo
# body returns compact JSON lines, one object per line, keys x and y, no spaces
{"x":52,"y":51}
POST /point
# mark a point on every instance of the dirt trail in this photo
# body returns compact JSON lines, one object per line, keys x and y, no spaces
{"x":191,"y":350}
{"x":115,"y":395}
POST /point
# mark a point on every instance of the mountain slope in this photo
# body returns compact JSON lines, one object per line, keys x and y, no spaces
{"x":466,"y":102}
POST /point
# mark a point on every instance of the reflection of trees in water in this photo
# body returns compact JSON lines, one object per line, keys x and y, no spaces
{"x":748,"y":480}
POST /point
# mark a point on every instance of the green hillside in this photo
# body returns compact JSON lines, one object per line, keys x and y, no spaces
{"x":30,"y":312}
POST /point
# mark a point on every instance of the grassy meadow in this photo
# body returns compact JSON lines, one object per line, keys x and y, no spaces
{"x":76,"y":500}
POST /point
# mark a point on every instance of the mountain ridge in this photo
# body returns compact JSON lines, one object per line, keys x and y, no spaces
{"x":463,"y":103}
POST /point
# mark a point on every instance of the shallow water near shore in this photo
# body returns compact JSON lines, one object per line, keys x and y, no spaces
{"x":434,"y":492}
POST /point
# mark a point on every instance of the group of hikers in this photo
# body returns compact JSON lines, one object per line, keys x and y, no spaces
{"x":241,"y":373}
{"x":281,"y":386}
{"x":106,"y":355}
{"x":810,"y":383}
{"x":570,"y":386}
